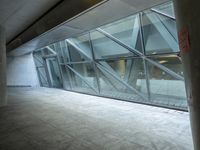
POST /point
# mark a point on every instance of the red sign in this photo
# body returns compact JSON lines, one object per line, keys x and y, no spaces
{"x":184,"y":41}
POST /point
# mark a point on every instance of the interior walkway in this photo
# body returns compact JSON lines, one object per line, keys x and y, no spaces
{"x":52,"y":119}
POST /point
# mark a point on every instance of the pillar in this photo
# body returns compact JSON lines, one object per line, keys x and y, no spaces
{"x":3,"y":89}
{"x":188,"y":24}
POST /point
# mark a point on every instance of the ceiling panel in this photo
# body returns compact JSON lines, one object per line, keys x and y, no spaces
{"x":17,"y":15}
{"x":111,"y":11}
{"x":104,"y":13}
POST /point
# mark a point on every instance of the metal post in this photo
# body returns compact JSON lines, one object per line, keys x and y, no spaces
{"x":188,"y":24}
{"x":146,"y":68}
{"x":3,"y":89}
{"x":94,"y":64}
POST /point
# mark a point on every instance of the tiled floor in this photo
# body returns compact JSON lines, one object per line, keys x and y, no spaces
{"x":52,"y":119}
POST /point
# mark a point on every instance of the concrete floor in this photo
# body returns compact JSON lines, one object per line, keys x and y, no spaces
{"x":52,"y":119}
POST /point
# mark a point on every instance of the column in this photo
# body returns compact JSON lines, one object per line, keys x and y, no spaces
{"x":188,"y":24}
{"x":3,"y":89}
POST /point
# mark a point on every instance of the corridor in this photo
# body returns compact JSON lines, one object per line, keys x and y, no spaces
{"x":53,"y":119}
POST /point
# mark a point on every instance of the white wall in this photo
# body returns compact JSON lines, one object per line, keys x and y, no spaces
{"x":21,"y":71}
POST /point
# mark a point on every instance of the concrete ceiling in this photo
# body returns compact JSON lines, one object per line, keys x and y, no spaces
{"x":100,"y":14}
{"x":17,"y":15}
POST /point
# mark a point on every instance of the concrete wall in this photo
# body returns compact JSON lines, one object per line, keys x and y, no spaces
{"x":21,"y":71}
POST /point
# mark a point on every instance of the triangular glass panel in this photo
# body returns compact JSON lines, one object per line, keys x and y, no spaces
{"x":42,"y":77}
{"x":130,"y":71}
{"x":54,"y":72}
{"x":65,"y":51}
{"x":165,"y":89}
{"x":79,"y":48}
{"x":172,"y":62}
{"x":80,"y":83}
{"x":170,"y":24}
{"x":105,"y":83}
{"x":65,"y":77}
{"x":59,"y":52}
{"x":115,"y":87}
{"x":157,"y":38}
{"x":87,"y":72}
{"x":126,"y":30}
{"x":48,"y":51}
{"x":39,"y":62}
{"x":165,"y":9}
{"x":104,"y":47}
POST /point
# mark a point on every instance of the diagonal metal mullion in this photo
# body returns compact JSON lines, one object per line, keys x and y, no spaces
{"x":172,"y":73}
{"x":135,"y":30}
{"x":78,"y":48}
{"x":119,"y":42}
{"x":61,"y":49}
{"x":93,"y":63}
{"x":37,"y":58}
{"x":57,"y":58}
{"x":68,"y":52}
{"x":108,"y":79}
{"x":39,"y":77}
{"x":60,"y":65}
{"x":49,"y":56}
{"x":46,"y":71}
{"x":162,"y":13}
{"x":105,"y":64}
{"x":80,"y":76}
{"x":121,"y":81}
{"x":164,"y":24}
{"x":165,"y":69}
{"x":42,"y":75}
{"x":129,"y":65}
{"x":163,"y":31}
{"x":146,"y":69}
{"x":51,"y":50}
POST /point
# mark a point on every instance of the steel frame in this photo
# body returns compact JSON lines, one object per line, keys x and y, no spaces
{"x":96,"y":65}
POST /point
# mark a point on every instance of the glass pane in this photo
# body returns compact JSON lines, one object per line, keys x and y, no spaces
{"x":65,"y":51}
{"x":46,"y":51}
{"x":42,"y":77}
{"x":39,"y":63}
{"x":126,"y":30}
{"x":115,"y":71}
{"x":38,"y":59}
{"x":170,"y":24}
{"x":83,"y":78}
{"x":109,"y":86}
{"x":113,"y":82}
{"x":79,"y":48}
{"x":52,"y":46}
{"x":167,"y":9}
{"x":54,"y":72}
{"x":172,"y":62}
{"x":66,"y":78}
{"x":87,"y":73}
{"x":106,"y":48}
{"x":58,"y":50}
{"x":165,"y":89}
{"x":130,"y":71}
{"x":157,"y":38}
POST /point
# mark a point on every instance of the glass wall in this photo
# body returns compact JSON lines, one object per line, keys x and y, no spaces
{"x":133,"y":59}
